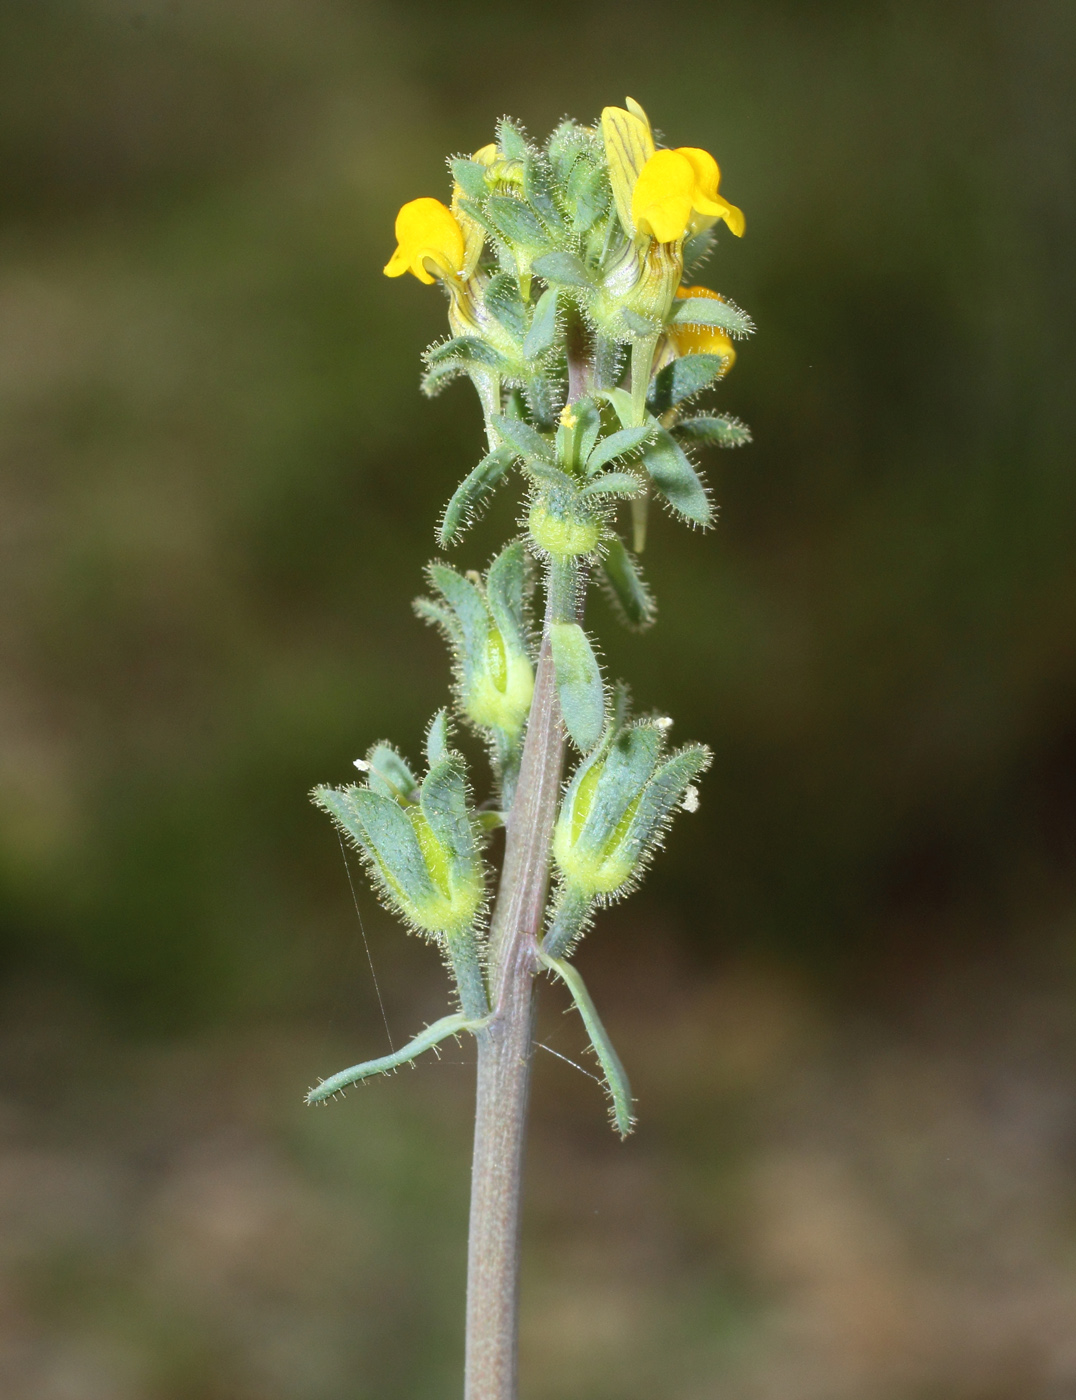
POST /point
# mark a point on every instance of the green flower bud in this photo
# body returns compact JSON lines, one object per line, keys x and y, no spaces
{"x":484,"y":624}
{"x":612,"y":818}
{"x":421,"y":847}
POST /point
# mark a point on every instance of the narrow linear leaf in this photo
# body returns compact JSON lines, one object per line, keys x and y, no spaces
{"x":579,"y":684}
{"x":473,"y":492}
{"x":618,"y":444}
{"x":613,"y":484}
{"x":549,"y":475}
{"x":716,"y":429}
{"x":708,"y":311}
{"x":437,"y":376}
{"x":616,"y":1079}
{"x":467,"y":350}
{"x":425,"y":1040}
{"x":632,"y":600}
{"x":527,"y":441}
{"x":677,"y":479}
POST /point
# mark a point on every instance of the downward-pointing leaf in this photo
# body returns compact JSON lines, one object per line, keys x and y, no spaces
{"x":579,"y":684}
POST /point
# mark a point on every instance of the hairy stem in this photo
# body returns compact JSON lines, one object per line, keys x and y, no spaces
{"x":505,"y":1049}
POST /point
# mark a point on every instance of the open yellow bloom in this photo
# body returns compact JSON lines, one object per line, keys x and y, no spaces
{"x":701,"y":340}
{"x":674,"y":188}
{"x":429,"y":241}
{"x":665,"y":194}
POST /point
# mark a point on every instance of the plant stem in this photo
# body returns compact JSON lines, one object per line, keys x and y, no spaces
{"x":505,"y":1050}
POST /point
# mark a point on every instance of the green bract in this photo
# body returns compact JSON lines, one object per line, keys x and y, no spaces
{"x":485,"y":626}
{"x":613,"y":816}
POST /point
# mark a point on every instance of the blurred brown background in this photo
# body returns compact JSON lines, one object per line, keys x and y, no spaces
{"x":847,"y":993}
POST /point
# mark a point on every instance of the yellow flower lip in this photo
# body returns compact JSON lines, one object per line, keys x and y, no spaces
{"x":674,"y":188}
{"x":702,"y":340}
{"x":429,"y":242}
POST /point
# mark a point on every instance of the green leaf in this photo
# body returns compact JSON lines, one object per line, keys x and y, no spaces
{"x":624,"y":774}
{"x":543,"y":332}
{"x":517,"y":222}
{"x":473,"y":492}
{"x":437,"y":739}
{"x":677,"y":479}
{"x":613,"y":484}
{"x":716,"y":429}
{"x":550,"y":475}
{"x":538,"y":188}
{"x":506,"y":584}
{"x":618,"y":444}
{"x":697,"y":249}
{"x":631,"y":599}
{"x":382,"y":829}
{"x":388,"y":773}
{"x":425,"y":1040}
{"x":579,"y":684}
{"x":470,"y":618}
{"x":467,"y":350}
{"x":525,"y":439}
{"x":503,"y":301}
{"x":443,"y":798}
{"x":588,"y":194}
{"x":622,"y":405}
{"x":639,"y":325}
{"x":616,"y":1079}
{"x":511,"y":140}
{"x":587,"y":428}
{"x":707,"y":311}
{"x":562,"y":267}
{"x":471,"y":178}
{"x":663,"y":794}
{"x":435,"y":378}
{"x":683,"y":377}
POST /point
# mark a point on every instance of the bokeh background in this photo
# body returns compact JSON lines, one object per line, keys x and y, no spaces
{"x":846,"y":995}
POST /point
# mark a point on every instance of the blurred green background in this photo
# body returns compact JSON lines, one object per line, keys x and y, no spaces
{"x":846,"y":994}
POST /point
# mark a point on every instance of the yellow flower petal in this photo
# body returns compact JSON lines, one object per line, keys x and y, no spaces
{"x":702,"y":340}
{"x":663,"y":197}
{"x":429,"y":242}
{"x":706,"y":198}
{"x":629,"y":144}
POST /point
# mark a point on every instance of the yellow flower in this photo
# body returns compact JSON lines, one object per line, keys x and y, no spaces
{"x":701,"y":340}
{"x":430,"y":242}
{"x":661,"y":193}
{"x":674,"y":188}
